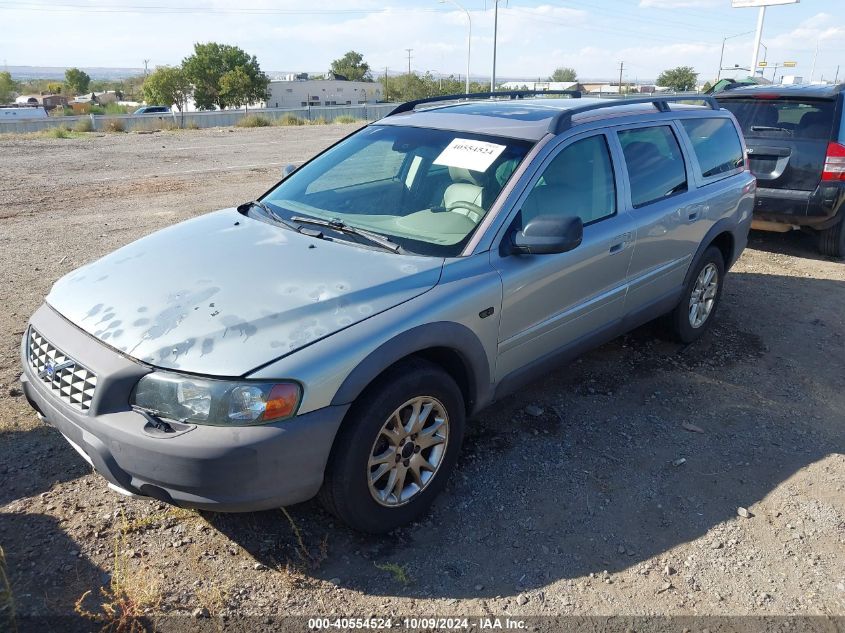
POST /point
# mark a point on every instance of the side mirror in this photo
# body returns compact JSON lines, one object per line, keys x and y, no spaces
{"x":547,"y":234}
{"x":287,"y":170}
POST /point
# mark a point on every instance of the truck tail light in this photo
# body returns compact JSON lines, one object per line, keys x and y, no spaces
{"x":834,"y":162}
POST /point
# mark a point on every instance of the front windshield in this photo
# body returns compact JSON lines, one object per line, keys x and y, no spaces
{"x":425,"y":189}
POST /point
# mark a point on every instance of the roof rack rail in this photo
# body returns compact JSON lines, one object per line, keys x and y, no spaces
{"x":408,"y":106}
{"x":563,"y":121}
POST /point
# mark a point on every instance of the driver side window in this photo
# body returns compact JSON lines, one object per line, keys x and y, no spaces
{"x":578,"y":182}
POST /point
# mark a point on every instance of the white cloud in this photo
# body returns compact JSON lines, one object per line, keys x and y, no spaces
{"x":532,"y":40}
{"x":681,"y":4}
{"x":821,"y":27}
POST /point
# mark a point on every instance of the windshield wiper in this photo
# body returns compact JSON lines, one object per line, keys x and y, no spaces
{"x":341,"y":227}
{"x":770,"y":128}
{"x":274,"y":215}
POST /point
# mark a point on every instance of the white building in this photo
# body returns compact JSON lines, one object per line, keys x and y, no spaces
{"x":540,"y":85}
{"x":299,"y":93}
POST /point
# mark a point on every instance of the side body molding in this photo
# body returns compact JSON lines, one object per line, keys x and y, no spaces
{"x":445,"y":334}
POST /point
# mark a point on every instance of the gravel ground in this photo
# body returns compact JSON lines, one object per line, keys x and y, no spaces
{"x":615,"y":486}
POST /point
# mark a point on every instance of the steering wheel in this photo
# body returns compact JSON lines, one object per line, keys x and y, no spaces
{"x":469,"y":206}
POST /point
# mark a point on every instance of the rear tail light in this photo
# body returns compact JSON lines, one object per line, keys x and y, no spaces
{"x":834,"y":162}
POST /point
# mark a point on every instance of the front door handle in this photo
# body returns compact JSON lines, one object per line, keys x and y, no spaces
{"x":620,"y":242}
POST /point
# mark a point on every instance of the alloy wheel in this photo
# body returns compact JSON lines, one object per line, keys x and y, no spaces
{"x":408,"y":451}
{"x":703,"y":296}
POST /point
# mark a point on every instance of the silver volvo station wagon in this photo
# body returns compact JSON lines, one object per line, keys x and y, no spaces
{"x":333,"y":337}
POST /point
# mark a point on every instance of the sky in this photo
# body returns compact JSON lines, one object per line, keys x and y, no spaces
{"x":534,"y":37}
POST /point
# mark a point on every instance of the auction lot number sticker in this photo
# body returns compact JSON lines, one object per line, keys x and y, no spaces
{"x":469,"y":154}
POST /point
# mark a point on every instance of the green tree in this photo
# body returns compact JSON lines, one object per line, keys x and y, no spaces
{"x":210,"y":62}
{"x":352,"y":66}
{"x":707,"y":86}
{"x":55,"y":87}
{"x":678,"y":79}
{"x":167,"y":85}
{"x":564,"y":74}
{"x":7,"y":87}
{"x":236,"y":89}
{"x":77,"y":81}
{"x":408,"y":87}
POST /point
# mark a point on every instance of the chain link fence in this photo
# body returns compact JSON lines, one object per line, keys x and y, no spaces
{"x":213,"y":118}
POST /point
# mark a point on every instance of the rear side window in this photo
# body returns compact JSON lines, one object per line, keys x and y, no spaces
{"x":655,"y":164}
{"x":716,"y":145}
{"x":784,"y":118}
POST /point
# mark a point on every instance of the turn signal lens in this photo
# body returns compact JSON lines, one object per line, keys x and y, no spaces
{"x":281,"y":402}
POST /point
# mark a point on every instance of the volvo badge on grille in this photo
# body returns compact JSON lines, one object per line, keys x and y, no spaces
{"x":51,"y":370}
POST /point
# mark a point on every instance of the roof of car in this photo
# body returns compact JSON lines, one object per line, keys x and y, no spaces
{"x":528,"y":119}
{"x":818,"y":91}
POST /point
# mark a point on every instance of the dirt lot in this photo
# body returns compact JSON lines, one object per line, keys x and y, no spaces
{"x":577,"y":510}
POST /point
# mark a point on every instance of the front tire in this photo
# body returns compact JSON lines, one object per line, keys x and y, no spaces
{"x":832,"y":239}
{"x":700,"y":298}
{"x":395,"y":449}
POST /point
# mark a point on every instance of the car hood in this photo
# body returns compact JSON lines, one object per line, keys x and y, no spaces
{"x":223,"y":294}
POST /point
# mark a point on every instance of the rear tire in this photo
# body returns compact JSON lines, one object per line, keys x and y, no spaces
{"x":379,"y":435}
{"x":832,"y":239}
{"x":700,"y":298}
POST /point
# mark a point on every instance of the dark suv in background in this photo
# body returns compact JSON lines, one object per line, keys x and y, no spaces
{"x":796,"y":148}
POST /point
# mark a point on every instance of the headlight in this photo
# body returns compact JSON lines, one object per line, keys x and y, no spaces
{"x":216,"y":402}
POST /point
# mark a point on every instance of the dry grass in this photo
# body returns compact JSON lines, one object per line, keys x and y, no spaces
{"x":114,"y":125}
{"x":140,"y":523}
{"x":84,"y":125}
{"x":133,"y":592}
{"x":56,"y":132}
{"x":290,"y":119}
{"x":346,"y":118}
{"x":313,"y":560}
{"x":254,"y":120}
{"x":8,"y":621}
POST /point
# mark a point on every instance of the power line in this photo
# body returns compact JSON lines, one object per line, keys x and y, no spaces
{"x":583,"y":27}
{"x":144,"y":8}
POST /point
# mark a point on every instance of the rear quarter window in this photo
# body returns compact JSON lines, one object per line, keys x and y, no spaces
{"x":716,"y":144}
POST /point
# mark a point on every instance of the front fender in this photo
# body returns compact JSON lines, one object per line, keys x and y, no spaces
{"x":454,"y":336}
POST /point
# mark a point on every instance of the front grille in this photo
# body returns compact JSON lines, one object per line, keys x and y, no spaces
{"x":72,"y":382}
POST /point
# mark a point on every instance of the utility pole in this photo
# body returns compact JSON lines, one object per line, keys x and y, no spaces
{"x":755,"y":54}
{"x":621,"y":67}
{"x":146,"y":69}
{"x":386,"y":91}
{"x":409,"y":59}
{"x":495,"y":34}
{"x":815,"y":56}
{"x":836,"y":78}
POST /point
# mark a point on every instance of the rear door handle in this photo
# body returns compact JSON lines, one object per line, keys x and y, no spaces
{"x":692,"y":216}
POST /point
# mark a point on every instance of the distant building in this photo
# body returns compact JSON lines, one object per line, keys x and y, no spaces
{"x":541,"y":85}
{"x":48,"y":101}
{"x":99,"y":98}
{"x":297,"y":91}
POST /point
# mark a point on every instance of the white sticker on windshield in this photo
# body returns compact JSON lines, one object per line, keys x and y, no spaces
{"x":468,"y":154}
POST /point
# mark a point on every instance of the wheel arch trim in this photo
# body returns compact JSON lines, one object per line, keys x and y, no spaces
{"x":442,"y":334}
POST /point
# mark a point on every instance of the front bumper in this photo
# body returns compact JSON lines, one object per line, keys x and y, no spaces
{"x":227,"y":469}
